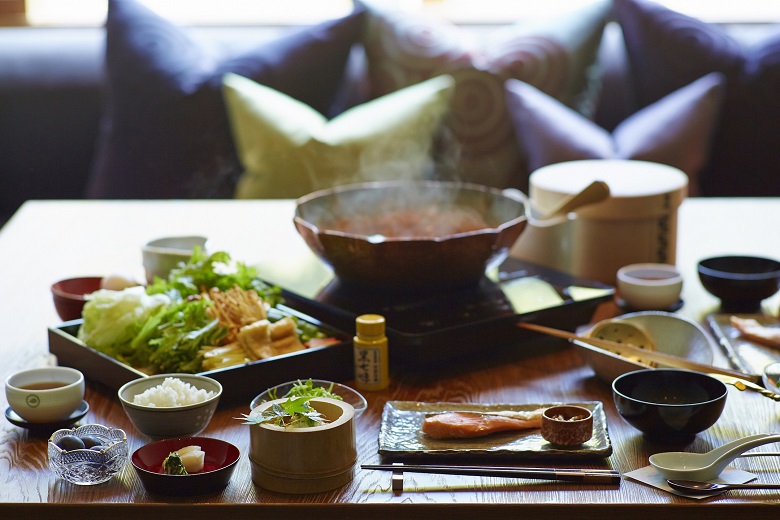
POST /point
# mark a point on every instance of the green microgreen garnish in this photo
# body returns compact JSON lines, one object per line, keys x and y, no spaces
{"x":306,"y":389}
{"x":295,"y":412}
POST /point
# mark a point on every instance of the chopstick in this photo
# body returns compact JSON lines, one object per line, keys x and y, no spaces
{"x":590,"y":476}
{"x":621,"y":349}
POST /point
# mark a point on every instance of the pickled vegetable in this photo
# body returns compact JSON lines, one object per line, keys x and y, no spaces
{"x":172,"y":465}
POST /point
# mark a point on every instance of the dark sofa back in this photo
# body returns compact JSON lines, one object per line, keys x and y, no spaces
{"x":50,"y":102}
{"x":49,"y":112}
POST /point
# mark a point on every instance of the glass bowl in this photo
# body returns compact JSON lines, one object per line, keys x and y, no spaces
{"x":86,"y":467}
{"x":347,"y":394}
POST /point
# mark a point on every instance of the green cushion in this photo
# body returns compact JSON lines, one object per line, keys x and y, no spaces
{"x":288,"y":149}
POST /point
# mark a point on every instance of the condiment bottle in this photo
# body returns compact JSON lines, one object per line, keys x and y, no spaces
{"x":371,"y":353}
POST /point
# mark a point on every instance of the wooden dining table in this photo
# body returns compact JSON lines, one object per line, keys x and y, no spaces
{"x":46,"y":241}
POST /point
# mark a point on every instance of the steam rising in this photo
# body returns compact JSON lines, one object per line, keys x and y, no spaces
{"x":402,"y":210}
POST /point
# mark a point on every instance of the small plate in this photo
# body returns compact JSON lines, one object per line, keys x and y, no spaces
{"x":625,"y":307}
{"x":400,"y":434}
{"x":220,"y":461}
{"x":746,"y":355}
{"x":74,"y":417}
{"x":349,"y":395}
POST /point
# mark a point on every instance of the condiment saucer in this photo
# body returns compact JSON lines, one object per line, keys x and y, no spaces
{"x":624,"y":306}
{"x":74,"y":417}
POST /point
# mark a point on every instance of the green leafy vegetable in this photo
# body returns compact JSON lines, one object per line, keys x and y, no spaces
{"x":171,"y":339}
{"x":307,"y":389}
{"x":112,"y":319}
{"x":292,"y":413}
{"x":218,"y":270}
{"x":172,"y":465}
{"x":167,"y":327}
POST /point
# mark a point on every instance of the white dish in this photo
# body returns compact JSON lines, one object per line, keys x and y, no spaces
{"x":670,"y":333}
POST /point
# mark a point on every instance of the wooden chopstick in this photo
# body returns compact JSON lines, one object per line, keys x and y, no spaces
{"x":595,"y":476}
{"x":621,"y":349}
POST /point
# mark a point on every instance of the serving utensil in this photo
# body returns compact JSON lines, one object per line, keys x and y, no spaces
{"x":589,"y":476}
{"x":706,"y":466}
{"x":742,"y":384}
{"x":694,"y":487}
{"x":625,"y":349}
{"x":594,"y":192}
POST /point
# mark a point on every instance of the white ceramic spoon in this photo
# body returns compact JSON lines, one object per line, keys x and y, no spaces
{"x":682,"y":465}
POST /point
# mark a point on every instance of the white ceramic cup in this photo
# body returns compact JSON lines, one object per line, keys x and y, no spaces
{"x":162,"y":255}
{"x":44,"y":395}
{"x":649,"y":286}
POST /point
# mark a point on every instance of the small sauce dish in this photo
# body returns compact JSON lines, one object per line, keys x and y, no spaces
{"x":567,"y":425}
{"x":649,"y":286}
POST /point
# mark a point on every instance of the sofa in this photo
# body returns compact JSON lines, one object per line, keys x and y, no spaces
{"x":98,"y":112}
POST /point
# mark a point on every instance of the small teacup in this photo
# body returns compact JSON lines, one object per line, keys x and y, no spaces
{"x":45,"y":395}
{"x":162,"y":255}
{"x":649,"y":286}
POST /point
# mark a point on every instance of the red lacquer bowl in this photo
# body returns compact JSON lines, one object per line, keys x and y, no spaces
{"x":69,"y":295}
{"x":220,"y":461}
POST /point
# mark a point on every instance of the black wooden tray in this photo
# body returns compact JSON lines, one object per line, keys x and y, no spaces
{"x":239,"y":383}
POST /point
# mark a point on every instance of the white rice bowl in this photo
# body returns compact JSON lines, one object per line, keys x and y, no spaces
{"x":170,"y":405}
{"x":172,"y":392}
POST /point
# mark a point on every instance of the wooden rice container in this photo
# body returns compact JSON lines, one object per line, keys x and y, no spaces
{"x":305,"y":460}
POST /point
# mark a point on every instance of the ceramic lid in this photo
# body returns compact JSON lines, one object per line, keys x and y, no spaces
{"x":638,"y":189}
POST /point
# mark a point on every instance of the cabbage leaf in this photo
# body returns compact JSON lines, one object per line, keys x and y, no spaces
{"x":112,"y":319}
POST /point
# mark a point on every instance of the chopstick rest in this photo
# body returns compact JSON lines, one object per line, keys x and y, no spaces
{"x":588,"y":476}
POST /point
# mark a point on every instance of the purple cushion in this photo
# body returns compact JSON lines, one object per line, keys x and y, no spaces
{"x":667,"y":50}
{"x":165,"y":132}
{"x":676,"y":130}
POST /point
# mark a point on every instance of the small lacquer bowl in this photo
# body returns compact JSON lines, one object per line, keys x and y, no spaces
{"x":567,"y":425}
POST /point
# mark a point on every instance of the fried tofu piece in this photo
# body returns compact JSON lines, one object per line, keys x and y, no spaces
{"x":254,"y":337}
{"x":263,"y":339}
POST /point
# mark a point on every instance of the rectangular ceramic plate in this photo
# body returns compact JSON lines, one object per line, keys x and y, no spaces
{"x":239,"y":383}
{"x":401,"y":436}
{"x":745,"y":355}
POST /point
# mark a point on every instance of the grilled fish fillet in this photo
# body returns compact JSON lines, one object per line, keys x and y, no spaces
{"x":463,"y":425}
{"x":754,"y":331}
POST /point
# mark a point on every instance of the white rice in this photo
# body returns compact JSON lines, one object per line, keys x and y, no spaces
{"x":172,"y":392}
